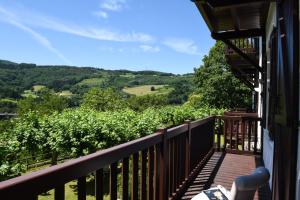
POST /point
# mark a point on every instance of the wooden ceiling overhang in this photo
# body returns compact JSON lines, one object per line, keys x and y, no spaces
{"x":235,"y":19}
{"x":231,"y":19}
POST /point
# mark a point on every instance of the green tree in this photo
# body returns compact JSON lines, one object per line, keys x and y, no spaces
{"x":46,"y":102}
{"x":103,"y":100}
{"x":181,"y":92}
{"x":140,"y":103}
{"x":216,"y":85}
{"x":8,"y":106}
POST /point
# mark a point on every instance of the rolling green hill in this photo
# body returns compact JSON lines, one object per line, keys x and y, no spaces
{"x":17,"y":80}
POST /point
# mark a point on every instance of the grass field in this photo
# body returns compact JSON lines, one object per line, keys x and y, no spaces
{"x":37,"y":88}
{"x":65,"y":93}
{"x":92,"y":82}
{"x":128,"y":75}
{"x":146,"y":89}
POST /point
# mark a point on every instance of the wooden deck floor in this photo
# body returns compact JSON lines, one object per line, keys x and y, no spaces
{"x":222,"y":169}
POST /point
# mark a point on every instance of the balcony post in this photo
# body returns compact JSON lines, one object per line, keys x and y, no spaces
{"x":218,"y":119}
{"x":163,"y":158}
{"x":187,"y":149}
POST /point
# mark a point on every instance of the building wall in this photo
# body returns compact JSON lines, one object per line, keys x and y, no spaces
{"x":268,"y":146}
{"x":298,"y":153}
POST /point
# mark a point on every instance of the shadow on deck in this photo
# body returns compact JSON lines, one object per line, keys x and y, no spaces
{"x":222,"y":169}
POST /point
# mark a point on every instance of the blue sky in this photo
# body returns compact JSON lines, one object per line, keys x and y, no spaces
{"x":163,"y":35}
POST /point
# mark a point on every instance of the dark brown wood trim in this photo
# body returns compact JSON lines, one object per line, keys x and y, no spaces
{"x":201,"y":122}
{"x":231,"y":3}
{"x":237,"y":34}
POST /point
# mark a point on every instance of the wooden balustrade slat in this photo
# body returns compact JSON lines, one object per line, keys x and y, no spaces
{"x":255,"y":136}
{"x":144,"y":175}
{"x":163,"y":167}
{"x":187,"y":156}
{"x":35,"y":197}
{"x":156,"y":171}
{"x":173,"y":166}
{"x":219,"y":134}
{"x":150,"y":172}
{"x":135,"y":177}
{"x":81,"y":188}
{"x":182,"y":158}
{"x":243,"y":135}
{"x":249,"y":134}
{"x":113,"y":184}
{"x":225,"y":133}
{"x":59,"y":192}
{"x":231,"y":132}
{"x":125,"y":169}
{"x":99,"y":184}
{"x":179,"y":161}
{"x":175,"y":163}
{"x":237,"y":135}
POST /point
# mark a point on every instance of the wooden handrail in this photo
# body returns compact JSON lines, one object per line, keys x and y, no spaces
{"x":166,"y":154}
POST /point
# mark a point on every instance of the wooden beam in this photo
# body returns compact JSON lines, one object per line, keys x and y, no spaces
{"x":207,"y":15}
{"x":237,"y":34}
{"x":242,"y":54}
{"x":239,"y":74}
{"x":236,"y":19}
{"x":231,"y":3}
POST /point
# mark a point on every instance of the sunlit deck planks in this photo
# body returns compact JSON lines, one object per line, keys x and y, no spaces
{"x":222,"y":169}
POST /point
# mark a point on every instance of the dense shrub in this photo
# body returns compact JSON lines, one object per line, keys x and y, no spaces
{"x":83,"y":131}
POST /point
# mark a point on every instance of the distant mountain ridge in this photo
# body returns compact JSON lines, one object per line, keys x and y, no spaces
{"x":6,"y":63}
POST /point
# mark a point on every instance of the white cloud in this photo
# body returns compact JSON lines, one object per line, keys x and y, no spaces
{"x":101,"y":14}
{"x":182,"y":45}
{"x":113,"y":5}
{"x":148,"y":48}
{"x":10,"y":18}
{"x":31,"y":18}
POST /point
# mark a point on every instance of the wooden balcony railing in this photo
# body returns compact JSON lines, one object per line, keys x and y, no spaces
{"x":239,"y":133}
{"x":159,"y":166}
{"x":246,"y":45}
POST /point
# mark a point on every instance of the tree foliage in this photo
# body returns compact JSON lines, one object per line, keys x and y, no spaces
{"x":46,"y":102}
{"x":103,"y":100}
{"x":216,"y":85}
{"x":82,"y":131}
{"x":140,"y":103}
{"x":181,"y":92}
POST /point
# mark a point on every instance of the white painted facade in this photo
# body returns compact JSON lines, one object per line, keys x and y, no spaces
{"x":268,"y":144}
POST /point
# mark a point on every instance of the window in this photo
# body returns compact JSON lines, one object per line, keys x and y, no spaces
{"x":273,"y":82}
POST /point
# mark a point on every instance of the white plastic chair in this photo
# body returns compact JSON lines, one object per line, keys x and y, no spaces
{"x":243,"y":188}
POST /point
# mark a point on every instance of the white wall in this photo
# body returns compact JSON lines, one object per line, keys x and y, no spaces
{"x":268,"y":146}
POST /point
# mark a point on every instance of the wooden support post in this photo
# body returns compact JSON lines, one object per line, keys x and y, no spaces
{"x":163,"y":167}
{"x":99,"y":184}
{"x":59,"y":193}
{"x":187,"y":149}
{"x":219,"y":133}
{"x":81,"y":187}
{"x":135,"y":177}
